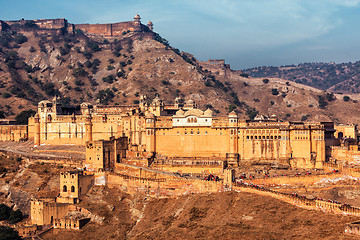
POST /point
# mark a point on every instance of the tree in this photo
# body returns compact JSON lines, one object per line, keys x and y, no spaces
{"x":274,"y":91}
{"x":330,"y":97}
{"x":94,"y":46}
{"x":322,"y":102}
{"x":20,"y":39}
{"x":265,"y":80}
{"x":7,"y":233}
{"x":346,"y":98}
{"x":251,"y":112}
{"x":30,"y":24}
{"x":23,"y":117}
{"x":50,"y":89}
{"x":105,"y":96}
{"x":15,"y":216}
{"x":4,"y":212}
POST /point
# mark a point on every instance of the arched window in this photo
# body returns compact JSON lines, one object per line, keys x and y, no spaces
{"x":64,"y":188}
{"x":340,"y":135}
{"x":72,"y":189}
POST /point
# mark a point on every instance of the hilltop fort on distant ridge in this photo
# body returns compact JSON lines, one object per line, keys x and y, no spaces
{"x":61,"y":25}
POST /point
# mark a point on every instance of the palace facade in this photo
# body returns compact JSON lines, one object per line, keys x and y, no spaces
{"x":181,"y":132}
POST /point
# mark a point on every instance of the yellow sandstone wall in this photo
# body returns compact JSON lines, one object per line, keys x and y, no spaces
{"x":13,"y":133}
{"x":43,"y":213}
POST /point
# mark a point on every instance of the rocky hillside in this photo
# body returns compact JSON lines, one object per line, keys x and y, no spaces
{"x":37,"y":66}
{"x":344,"y":77}
{"x":118,"y":215}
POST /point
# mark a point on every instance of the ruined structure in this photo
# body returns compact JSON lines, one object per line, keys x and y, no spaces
{"x":216,"y":66}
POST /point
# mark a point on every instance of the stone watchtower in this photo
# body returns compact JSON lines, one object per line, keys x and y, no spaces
{"x":150,"y":133}
{"x":233,"y":156}
{"x":137,"y":23}
{"x":150,"y":26}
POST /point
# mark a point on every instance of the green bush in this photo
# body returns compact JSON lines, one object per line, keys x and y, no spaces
{"x":120,"y":74}
{"x":251,"y":112}
{"x":22,"y":118}
{"x":79,"y":72}
{"x":20,"y":39}
{"x":274,"y":91}
{"x":30,"y":24}
{"x":6,"y":95}
{"x":110,"y":67}
{"x":346,"y":98}
{"x":105,"y":96}
{"x":15,"y":216}
{"x":109,"y":79}
{"x":304,"y":118}
{"x":4,"y":212}
{"x":50,"y":89}
{"x":87,"y":54}
{"x":322,"y":102}
{"x":7,"y":233}
{"x":79,"y":83}
{"x":231,"y":108}
{"x":93,"y":46}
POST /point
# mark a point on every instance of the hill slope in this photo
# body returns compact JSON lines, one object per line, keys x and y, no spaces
{"x":42,"y":65}
{"x":204,"y":216}
{"x":344,"y":77}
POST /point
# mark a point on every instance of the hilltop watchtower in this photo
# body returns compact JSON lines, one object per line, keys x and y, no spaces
{"x":137,"y":23}
{"x":150,"y":25}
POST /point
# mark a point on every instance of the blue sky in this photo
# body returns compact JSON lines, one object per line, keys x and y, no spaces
{"x":246,"y":33}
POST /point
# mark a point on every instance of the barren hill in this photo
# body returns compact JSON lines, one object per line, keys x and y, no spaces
{"x":342,"y":77}
{"x":39,"y":65}
{"x":203,"y":216}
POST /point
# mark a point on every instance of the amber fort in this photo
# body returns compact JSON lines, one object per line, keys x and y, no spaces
{"x":164,"y":150}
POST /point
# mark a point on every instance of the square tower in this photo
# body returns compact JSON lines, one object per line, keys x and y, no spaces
{"x":73,"y":184}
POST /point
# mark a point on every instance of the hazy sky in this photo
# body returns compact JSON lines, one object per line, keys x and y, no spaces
{"x":246,"y":33}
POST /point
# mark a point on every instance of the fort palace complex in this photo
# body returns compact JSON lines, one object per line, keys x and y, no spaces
{"x":181,"y":132}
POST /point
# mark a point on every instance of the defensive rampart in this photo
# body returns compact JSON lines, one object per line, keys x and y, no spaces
{"x":300,"y":201}
{"x":162,"y":187}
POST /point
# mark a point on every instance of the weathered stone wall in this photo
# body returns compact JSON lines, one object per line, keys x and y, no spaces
{"x":344,"y":154}
{"x":13,"y":133}
{"x":43,"y":212}
{"x":105,"y":154}
{"x":159,"y":185}
{"x":67,"y":223}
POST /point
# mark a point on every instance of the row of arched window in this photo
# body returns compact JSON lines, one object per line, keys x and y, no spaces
{"x":262,"y":131}
{"x":191,"y":120}
{"x":263,"y":137}
{"x":72,"y":189}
